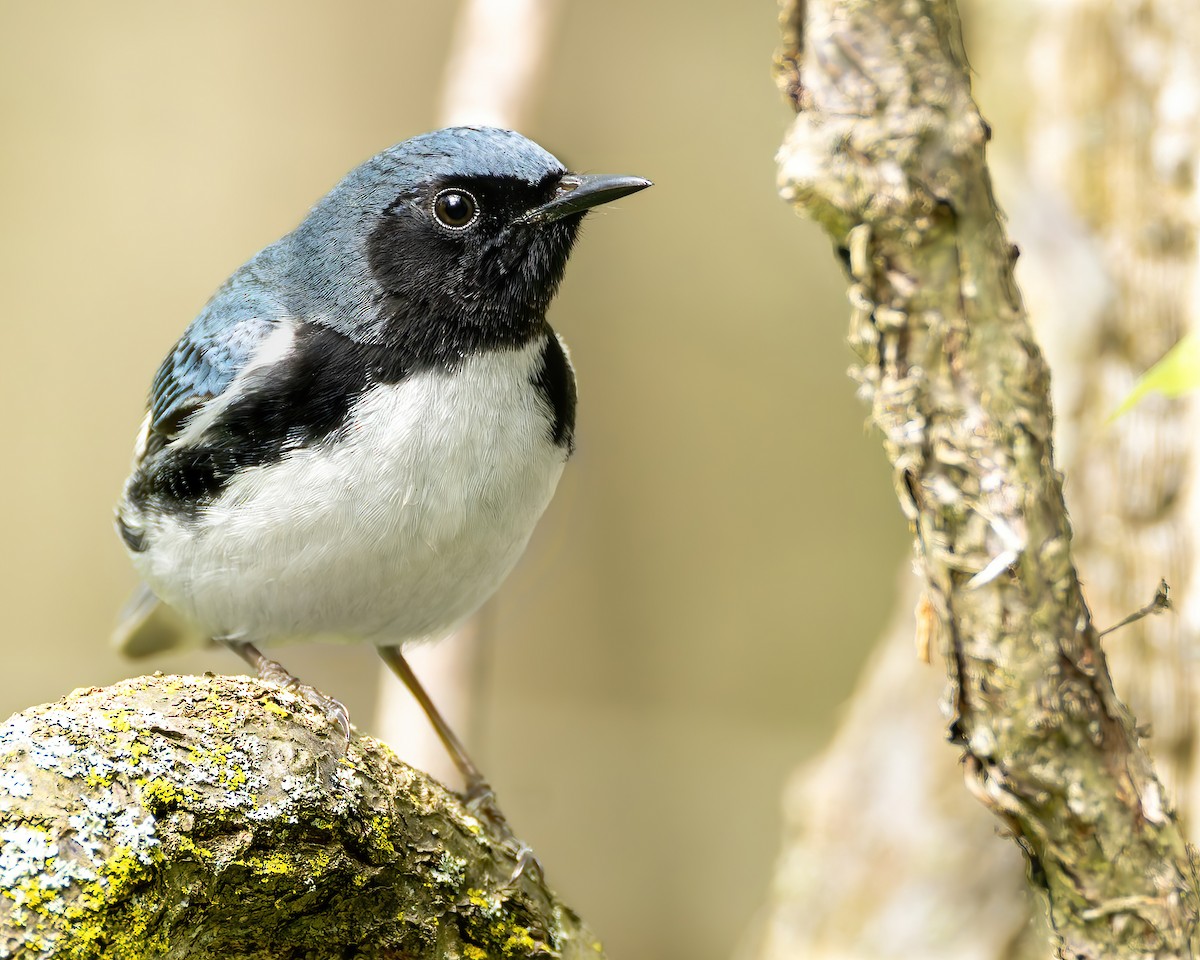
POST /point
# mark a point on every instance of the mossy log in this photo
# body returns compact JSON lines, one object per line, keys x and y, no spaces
{"x":177,"y":816}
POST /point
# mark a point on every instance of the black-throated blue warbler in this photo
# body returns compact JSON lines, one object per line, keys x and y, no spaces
{"x":356,"y":436}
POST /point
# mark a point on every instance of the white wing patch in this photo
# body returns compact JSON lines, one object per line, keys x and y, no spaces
{"x":274,"y":349}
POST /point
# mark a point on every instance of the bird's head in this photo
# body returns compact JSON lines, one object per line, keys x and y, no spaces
{"x":463,"y":232}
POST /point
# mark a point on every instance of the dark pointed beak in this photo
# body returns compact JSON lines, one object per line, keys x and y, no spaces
{"x":578,"y":192}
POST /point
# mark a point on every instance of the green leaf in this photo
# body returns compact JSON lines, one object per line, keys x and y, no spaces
{"x":1175,"y":374}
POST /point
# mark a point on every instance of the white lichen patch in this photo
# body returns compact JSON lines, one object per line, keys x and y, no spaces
{"x":105,"y":823}
{"x":53,"y":842}
{"x":106,"y":792}
{"x":14,"y":786}
{"x":450,"y":871}
{"x":25,"y":853}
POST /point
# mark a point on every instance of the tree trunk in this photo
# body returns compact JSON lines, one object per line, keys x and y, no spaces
{"x":887,"y":154}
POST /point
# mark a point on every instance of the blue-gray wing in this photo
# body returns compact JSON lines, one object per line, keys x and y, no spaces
{"x":215,"y":348}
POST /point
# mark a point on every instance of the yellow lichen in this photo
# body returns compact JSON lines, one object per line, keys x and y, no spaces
{"x":101,"y":780}
{"x":478,"y":898}
{"x":520,"y":939}
{"x":232,"y":779}
{"x":97,"y":931}
{"x":159,"y":795}
{"x":381,"y":829}
{"x":30,"y":894}
{"x":308,"y":867}
{"x":512,"y":937}
{"x":120,"y":721}
{"x":273,"y":707}
{"x":272,"y":865}
{"x":188,"y":845}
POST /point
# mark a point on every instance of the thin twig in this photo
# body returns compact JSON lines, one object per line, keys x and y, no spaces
{"x":1161,"y":602}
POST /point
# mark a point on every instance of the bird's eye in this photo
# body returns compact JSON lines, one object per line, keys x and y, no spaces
{"x":455,"y":209}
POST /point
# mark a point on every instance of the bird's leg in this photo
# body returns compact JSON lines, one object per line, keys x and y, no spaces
{"x":478,"y":790}
{"x":479,"y":795}
{"x":274,"y":672}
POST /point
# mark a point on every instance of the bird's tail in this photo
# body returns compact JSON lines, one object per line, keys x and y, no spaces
{"x":147,"y":625}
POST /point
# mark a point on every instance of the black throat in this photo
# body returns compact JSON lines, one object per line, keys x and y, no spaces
{"x":443,"y":295}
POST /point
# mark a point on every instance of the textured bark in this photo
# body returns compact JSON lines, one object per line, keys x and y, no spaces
{"x":214,"y":817}
{"x":1100,"y":137}
{"x":887,"y":154}
{"x":1099,"y":134}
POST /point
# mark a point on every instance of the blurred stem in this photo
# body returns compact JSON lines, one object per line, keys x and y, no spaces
{"x":887,"y":154}
{"x":1117,"y":146}
{"x":494,"y":69}
{"x":497,"y":61}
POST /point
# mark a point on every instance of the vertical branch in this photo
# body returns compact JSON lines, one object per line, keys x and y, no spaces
{"x":885,"y":856}
{"x":496,"y":62}
{"x":887,"y":154}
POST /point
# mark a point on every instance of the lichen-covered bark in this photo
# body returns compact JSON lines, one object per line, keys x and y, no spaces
{"x":887,"y":154}
{"x":212,"y":816}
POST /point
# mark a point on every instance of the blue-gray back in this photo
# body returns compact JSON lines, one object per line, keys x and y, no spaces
{"x":217,"y":344}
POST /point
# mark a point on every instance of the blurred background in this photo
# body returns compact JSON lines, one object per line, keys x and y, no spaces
{"x":723,"y":548}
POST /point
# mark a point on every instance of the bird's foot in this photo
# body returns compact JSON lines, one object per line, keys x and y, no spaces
{"x":526,"y":861}
{"x":334,"y":710}
{"x":481,"y":802}
{"x":274,"y":672}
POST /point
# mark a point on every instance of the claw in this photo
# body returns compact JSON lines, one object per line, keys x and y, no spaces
{"x":334,"y":710}
{"x":526,"y":861}
{"x":480,"y":799}
{"x":478,"y":796}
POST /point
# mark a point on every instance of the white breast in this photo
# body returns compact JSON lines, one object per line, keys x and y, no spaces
{"x":398,"y":530}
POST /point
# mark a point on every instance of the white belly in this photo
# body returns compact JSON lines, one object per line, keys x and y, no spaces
{"x":399,"y":531}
